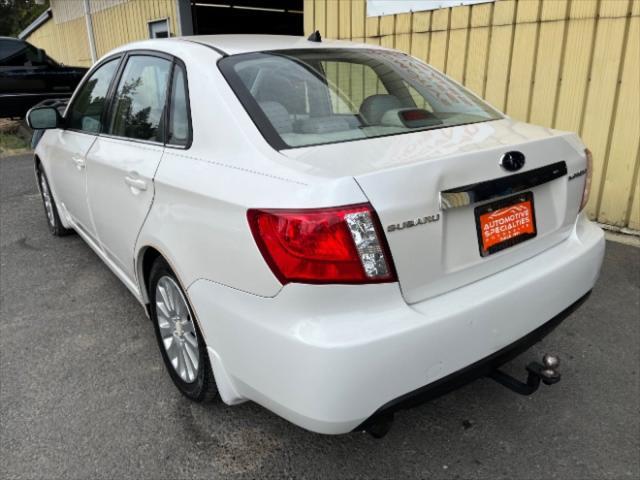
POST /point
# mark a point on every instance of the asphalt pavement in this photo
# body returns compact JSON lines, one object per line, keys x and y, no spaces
{"x":84,"y":394}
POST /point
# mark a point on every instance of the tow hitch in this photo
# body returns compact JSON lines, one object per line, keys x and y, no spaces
{"x":547,"y":372}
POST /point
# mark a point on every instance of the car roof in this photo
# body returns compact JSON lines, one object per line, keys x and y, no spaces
{"x":237,"y":43}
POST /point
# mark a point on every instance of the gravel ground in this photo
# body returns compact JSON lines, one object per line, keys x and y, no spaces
{"x":83,"y":393}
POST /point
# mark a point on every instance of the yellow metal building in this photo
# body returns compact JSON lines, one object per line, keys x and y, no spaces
{"x":566,"y":64}
{"x":64,"y":33}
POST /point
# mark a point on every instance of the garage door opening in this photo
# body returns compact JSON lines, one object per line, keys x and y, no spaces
{"x":277,"y":17}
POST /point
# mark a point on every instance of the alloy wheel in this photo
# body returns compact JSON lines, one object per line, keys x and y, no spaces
{"x":177,"y":330}
{"x":48,"y":201}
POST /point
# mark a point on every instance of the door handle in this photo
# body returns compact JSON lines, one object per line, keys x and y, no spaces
{"x":136,"y":183}
{"x":79,"y":162}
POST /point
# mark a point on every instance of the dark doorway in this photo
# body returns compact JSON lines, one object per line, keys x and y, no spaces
{"x":276,"y":17}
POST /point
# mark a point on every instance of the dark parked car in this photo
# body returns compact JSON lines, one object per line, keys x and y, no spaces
{"x":28,"y":76}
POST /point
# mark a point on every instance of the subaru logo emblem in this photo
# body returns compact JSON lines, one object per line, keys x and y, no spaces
{"x":512,"y":161}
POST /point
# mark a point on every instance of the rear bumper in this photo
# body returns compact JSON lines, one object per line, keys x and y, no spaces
{"x":479,"y":369}
{"x":329,"y":357}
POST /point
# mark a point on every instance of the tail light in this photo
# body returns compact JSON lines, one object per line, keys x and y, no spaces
{"x":328,"y":245}
{"x":587,"y":179}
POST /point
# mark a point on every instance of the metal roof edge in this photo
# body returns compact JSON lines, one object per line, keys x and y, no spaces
{"x":33,"y":26}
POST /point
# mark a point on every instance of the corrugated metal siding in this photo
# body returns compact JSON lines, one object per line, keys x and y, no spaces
{"x":65,"y":42}
{"x":115,"y":22}
{"x":65,"y":10}
{"x":567,"y":64}
{"x":127,"y":22}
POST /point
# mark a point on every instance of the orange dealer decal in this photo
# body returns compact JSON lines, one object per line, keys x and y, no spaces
{"x":506,"y":223}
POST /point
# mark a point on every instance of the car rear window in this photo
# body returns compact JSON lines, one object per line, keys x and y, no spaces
{"x":16,"y":53}
{"x":310,"y":97}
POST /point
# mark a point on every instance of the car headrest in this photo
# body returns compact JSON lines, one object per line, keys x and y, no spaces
{"x":275,"y":87}
{"x":278,"y":116}
{"x":375,"y":106}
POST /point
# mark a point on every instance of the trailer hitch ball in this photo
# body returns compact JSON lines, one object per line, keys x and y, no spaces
{"x":549,"y":373}
{"x":551,"y":361}
{"x":545,"y":372}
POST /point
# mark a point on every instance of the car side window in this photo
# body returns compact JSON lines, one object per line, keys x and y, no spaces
{"x":138,"y":105}
{"x":178,"y":133}
{"x":85,"y":113}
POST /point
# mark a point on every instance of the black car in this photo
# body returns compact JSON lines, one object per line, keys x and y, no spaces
{"x":28,"y":76}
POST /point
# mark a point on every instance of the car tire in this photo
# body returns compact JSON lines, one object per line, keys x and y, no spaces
{"x":50,"y":209}
{"x":178,"y":334}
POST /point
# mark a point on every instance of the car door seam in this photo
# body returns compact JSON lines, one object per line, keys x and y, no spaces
{"x":86,"y":193}
{"x":136,"y":247}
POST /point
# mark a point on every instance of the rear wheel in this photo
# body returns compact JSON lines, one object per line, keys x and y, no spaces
{"x":180,"y":341}
{"x":50,"y":208}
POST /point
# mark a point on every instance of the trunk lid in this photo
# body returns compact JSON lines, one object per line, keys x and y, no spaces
{"x":404,"y":176}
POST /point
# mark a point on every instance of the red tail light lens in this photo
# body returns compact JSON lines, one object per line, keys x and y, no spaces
{"x":587,"y":181}
{"x":331,"y":245}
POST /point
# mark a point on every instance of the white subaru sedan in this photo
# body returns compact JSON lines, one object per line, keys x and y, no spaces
{"x":332,"y":230}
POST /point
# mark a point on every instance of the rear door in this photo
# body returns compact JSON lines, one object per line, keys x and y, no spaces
{"x":123,"y":160}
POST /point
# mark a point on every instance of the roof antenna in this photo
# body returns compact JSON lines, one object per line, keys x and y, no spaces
{"x":315,"y":37}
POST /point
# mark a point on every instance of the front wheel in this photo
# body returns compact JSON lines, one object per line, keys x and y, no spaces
{"x":181,"y":343}
{"x":50,"y":208}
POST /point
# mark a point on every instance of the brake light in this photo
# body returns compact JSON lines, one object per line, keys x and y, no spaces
{"x":328,"y":245}
{"x":587,"y":180}
{"x":413,"y":115}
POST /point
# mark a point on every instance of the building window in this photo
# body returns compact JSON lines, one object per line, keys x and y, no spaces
{"x":159,"y":28}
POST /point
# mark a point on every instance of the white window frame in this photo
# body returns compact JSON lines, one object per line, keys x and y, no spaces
{"x":151,"y":23}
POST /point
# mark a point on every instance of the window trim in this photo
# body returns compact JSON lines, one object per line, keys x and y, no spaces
{"x":114,"y":86}
{"x":255,"y":113}
{"x":178,"y":63}
{"x":167,"y":22}
{"x":122,"y":58}
{"x":107,"y":98}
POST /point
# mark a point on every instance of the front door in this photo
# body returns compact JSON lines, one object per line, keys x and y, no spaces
{"x":69,"y":176}
{"x":122,"y":162}
{"x":69,"y":150}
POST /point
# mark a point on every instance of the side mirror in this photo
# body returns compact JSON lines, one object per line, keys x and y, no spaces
{"x":42,"y":118}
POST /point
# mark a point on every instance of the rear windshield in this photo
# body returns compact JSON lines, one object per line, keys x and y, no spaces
{"x":16,"y":53}
{"x":310,"y":97}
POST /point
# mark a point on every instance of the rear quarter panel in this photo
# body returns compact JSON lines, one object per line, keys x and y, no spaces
{"x":198,"y":220}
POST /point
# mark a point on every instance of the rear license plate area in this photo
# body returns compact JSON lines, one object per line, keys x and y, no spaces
{"x":505,"y":223}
